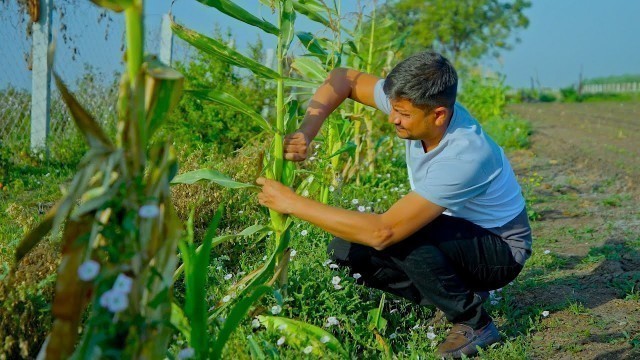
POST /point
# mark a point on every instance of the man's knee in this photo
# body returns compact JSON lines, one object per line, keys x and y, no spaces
{"x":338,"y":250}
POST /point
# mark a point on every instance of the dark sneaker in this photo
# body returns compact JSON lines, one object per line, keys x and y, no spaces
{"x":463,"y":340}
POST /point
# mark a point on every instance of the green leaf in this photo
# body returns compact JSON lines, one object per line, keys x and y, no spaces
{"x":348,"y":147}
{"x":163,"y":91}
{"x":87,"y":126}
{"x":237,"y":12}
{"x":226,"y":99}
{"x":375,"y":319}
{"x":313,"y":10}
{"x":301,"y":334}
{"x":287,"y":19}
{"x":309,"y":68}
{"x":254,"y":349}
{"x":235,"y":317}
{"x":314,"y":45}
{"x":179,"y":321}
{"x":114,"y":5}
{"x":217,"y":177}
{"x":222,"y":51}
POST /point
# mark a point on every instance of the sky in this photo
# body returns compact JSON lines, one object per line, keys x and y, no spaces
{"x":564,"y":37}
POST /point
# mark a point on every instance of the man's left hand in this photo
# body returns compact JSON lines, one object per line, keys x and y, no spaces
{"x":275,"y":195}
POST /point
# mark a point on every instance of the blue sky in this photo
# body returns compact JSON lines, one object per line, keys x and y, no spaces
{"x":601,"y":37}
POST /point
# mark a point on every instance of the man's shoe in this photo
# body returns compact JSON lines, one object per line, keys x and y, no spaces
{"x":464,"y":340}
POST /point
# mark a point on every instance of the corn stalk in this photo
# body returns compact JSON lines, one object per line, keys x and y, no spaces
{"x":120,"y":228}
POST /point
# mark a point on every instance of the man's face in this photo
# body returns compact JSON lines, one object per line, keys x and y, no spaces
{"x":411,"y":122}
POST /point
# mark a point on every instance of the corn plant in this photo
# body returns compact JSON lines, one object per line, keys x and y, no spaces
{"x":248,"y":290}
{"x":120,"y":229}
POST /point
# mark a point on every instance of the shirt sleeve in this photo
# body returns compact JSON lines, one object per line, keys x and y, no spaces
{"x":450,"y":183}
{"x":381,"y":99}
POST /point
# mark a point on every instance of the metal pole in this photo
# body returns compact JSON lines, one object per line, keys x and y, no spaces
{"x":41,"y":78}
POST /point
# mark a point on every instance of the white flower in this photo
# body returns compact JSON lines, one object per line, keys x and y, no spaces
{"x":415,"y":327}
{"x":123,"y":284}
{"x":337,"y":287}
{"x":255,"y":323}
{"x":354,"y":201}
{"x":333,"y":266}
{"x":361,"y":208}
{"x":357,"y":276}
{"x":430,"y":328}
{"x":336,"y":280}
{"x":149,"y":211}
{"x":311,"y":159}
{"x":308,"y":349}
{"x":331,"y":321}
{"x":317,"y":146}
{"x":264,"y":258}
{"x":228,"y":276}
{"x":88,"y":270}
{"x":293,"y":253}
{"x":282,"y":327}
{"x":114,"y":301}
{"x":280,"y":341}
{"x":240,"y":212}
{"x":393,"y":311}
{"x":304,"y":232}
{"x":331,"y":188}
{"x":226,"y":298}
{"x":494,"y":302}
{"x":545,"y":313}
{"x":393,"y":336}
{"x":326,"y":262}
{"x":431,"y":335}
{"x":547,"y":252}
{"x":276,"y":309}
{"x":187,"y":353}
{"x":310,"y":178}
{"x":388,"y":175}
{"x":325,"y":339}
{"x":305,"y":193}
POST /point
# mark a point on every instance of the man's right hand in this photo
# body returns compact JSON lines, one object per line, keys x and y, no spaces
{"x":296,"y":146}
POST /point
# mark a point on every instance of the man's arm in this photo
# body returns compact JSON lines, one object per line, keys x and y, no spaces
{"x":339,"y":85}
{"x":379,"y":231}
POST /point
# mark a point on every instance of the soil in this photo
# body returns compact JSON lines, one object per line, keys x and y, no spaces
{"x":584,"y":164}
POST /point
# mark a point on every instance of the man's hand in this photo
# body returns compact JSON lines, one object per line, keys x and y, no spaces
{"x":296,"y":146}
{"x":275,"y":196}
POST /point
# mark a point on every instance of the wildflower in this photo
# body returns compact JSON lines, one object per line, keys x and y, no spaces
{"x":393,"y":311}
{"x":276,"y":309}
{"x":264,"y":258}
{"x":226,"y":299}
{"x":336,"y":280}
{"x":311,"y":159}
{"x":326,"y":262}
{"x":333,"y":266}
{"x":354,"y":201}
{"x":123,"y":284}
{"x":280,"y":341}
{"x":368,"y":208}
{"x":337,"y":287}
{"x":308,"y":349}
{"x":357,"y":276}
{"x":415,"y":327}
{"x":545,"y":313}
{"x":304,"y":232}
{"x":255,"y":323}
{"x":393,"y":336}
{"x":240,"y":212}
{"x":332,"y":188}
{"x":305,"y":193}
{"x":88,"y":270}
{"x":325,"y":339}
{"x":149,"y":211}
{"x":546,"y":252}
{"x":187,"y":353}
{"x":293,"y":253}
{"x":494,"y":302}
{"x":317,"y":146}
{"x":228,"y":276}
{"x":431,"y":335}
{"x":114,"y":301}
{"x":361,"y":208}
{"x":331,"y":321}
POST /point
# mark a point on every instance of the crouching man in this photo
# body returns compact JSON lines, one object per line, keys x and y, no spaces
{"x":461,"y":231}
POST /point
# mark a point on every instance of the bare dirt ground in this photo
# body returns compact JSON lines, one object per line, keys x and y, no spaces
{"x":584,"y":168}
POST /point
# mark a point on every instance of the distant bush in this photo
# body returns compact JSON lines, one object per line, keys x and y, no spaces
{"x":547,"y":97}
{"x":483,"y":96}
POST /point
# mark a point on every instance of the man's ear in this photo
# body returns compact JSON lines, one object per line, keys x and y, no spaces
{"x":441,"y":115}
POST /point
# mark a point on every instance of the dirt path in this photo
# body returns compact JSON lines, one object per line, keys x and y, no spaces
{"x":584,"y":172}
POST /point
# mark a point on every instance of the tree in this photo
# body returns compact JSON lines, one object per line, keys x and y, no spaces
{"x":463,"y":30}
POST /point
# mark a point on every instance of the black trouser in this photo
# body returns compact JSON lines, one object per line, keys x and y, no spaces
{"x":442,"y":264}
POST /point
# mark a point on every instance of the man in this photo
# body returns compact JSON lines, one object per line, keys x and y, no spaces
{"x":461,"y":231}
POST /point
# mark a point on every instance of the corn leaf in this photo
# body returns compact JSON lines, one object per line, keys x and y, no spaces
{"x":87,"y":126}
{"x":237,"y":12}
{"x":222,"y":51}
{"x":179,"y":321}
{"x":300,"y":334}
{"x":217,"y":177}
{"x":313,"y":10}
{"x":163,"y":91}
{"x":349,"y":147}
{"x":287,"y":19}
{"x":222,"y":98}
{"x":114,"y":5}
{"x":35,"y":235}
{"x":309,"y":68}
{"x":314,"y":45}
{"x":235,"y":317}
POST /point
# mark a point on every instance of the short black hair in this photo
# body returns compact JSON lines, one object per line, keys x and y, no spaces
{"x":427,"y":79}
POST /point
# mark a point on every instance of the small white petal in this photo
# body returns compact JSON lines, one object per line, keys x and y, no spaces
{"x":226,"y":299}
{"x":336,"y":280}
{"x":228,"y":276}
{"x":547,"y":252}
{"x":276,"y":309}
{"x":357,"y":276}
{"x":326,"y":262}
{"x":187,"y":353}
{"x":310,"y":178}
{"x":334,"y":266}
{"x":88,"y":270}
{"x":393,"y":336}
{"x":337,"y":287}
{"x":494,"y":302}
{"x":123,"y":284}
{"x":325,"y":339}
{"x":431,"y":335}
{"x":311,"y":159}
{"x":240,"y":212}
{"x":545,"y":313}
{"x":393,"y":311}
{"x":280,"y":341}
{"x":255,"y":323}
{"x":149,"y":211}
{"x":354,"y":201}
{"x":117,"y":302}
{"x":361,"y":208}
{"x":332,"y":320}
{"x":331,"y":188}
{"x":293,"y":253}
{"x":305,"y":193}
{"x":304,"y":232}
{"x":282,"y":327}
{"x":308,"y":349}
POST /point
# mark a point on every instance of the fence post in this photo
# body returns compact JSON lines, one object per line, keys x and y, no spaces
{"x":41,"y":78}
{"x":166,"y":40}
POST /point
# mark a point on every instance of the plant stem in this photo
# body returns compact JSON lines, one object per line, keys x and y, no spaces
{"x":135,"y":40}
